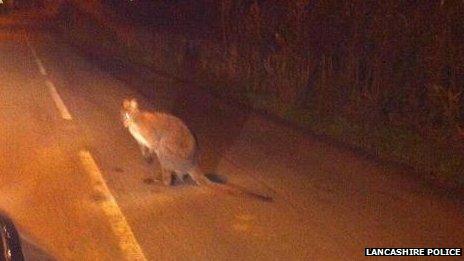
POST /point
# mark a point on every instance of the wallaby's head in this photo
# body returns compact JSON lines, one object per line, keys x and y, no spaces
{"x":130,"y":108}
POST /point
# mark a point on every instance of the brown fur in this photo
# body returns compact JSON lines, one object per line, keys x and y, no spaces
{"x":173,"y":143}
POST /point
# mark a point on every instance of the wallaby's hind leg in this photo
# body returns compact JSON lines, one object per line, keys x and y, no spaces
{"x":146,"y":153}
{"x":197,"y":175}
{"x":166,"y":176}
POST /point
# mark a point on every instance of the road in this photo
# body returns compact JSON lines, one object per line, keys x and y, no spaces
{"x":74,"y":182}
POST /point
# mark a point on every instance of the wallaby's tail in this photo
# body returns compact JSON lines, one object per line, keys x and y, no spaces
{"x":236,"y":190}
{"x":199,"y":178}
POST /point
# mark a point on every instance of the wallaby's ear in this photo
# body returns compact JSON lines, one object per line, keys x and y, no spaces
{"x":134,"y":104}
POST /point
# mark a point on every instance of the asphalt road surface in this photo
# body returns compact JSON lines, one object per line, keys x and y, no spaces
{"x":74,"y":182}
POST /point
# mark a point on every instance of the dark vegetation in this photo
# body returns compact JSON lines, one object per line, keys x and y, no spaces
{"x":383,"y":76}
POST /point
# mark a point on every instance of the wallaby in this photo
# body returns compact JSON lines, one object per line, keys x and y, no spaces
{"x":174,"y":144}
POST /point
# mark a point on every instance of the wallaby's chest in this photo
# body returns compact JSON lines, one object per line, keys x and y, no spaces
{"x":135,"y":131}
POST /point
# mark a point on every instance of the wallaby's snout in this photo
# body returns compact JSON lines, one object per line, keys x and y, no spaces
{"x":129,"y":108}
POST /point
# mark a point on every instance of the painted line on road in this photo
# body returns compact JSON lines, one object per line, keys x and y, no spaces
{"x":53,"y":92}
{"x":127,"y":242}
{"x":58,"y":101}
{"x":41,"y":68}
{"x":36,"y":58}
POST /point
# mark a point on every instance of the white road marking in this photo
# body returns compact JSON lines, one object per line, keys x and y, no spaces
{"x":127,"y":242}
{"x":53,"y":92}
{"x":41,"y":68}
{"x":36,"y":58}
{"x":58,"y":101}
